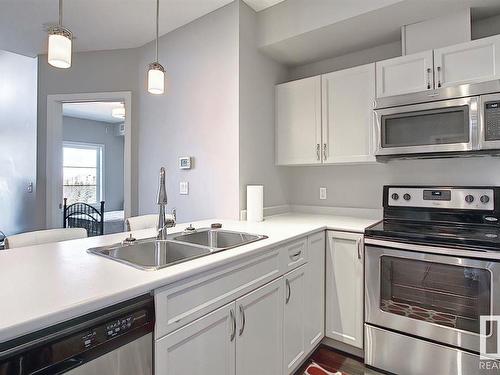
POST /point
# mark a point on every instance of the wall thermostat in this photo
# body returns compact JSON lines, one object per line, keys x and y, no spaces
{"x":185,"y":162}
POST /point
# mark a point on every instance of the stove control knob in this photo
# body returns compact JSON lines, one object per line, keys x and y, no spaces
{"x":484,"y":199}
{"x":469,"y":198}
{"x":395,"y":196}
{"x":407,"y":197}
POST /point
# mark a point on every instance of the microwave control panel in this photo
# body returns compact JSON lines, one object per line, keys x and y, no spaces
{"x":492,"y":120}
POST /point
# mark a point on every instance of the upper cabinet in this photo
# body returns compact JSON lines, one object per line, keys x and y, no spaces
{"x":298,"y":122}
{"x":406,"y":74}
{"x":347,"y":131}
{"x":471,"y":62}
{"x":326,"y":119}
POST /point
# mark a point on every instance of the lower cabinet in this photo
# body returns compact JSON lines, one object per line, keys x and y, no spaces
{"x":259,"y":337}
{"x":268,"y":331}
{"x":344,"y":288}
{"x":206,"y":346}
{"x":294,"y":322}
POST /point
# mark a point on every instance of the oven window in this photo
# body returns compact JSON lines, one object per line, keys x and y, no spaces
{"x":448,"y":295}
{"x":426,"y":128}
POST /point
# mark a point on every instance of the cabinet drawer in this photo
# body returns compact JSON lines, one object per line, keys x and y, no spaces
{"x":181,"y":303}
{"x":294,"y":254}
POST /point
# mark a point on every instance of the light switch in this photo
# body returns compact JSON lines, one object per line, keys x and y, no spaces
{"x":322,"y":193}
{"x":184,"y":188}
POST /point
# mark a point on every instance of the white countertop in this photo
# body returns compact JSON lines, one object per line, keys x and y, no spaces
{"x":48,"y":284}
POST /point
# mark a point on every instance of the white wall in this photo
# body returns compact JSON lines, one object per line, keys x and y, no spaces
{"x":198,"y":116}
{"x":18,"y":97}
{"x":97,"y":132}
{"x":258,"y":76}
{"x":102,"y":71}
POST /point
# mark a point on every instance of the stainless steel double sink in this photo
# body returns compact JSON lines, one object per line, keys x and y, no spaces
{"x":153,"y":254}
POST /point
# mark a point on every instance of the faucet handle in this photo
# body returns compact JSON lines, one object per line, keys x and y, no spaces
{"x":174,"y":213}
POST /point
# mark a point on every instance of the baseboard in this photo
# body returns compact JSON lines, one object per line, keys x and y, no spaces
{"x":343,"y":347}
{"x":269,"y":211}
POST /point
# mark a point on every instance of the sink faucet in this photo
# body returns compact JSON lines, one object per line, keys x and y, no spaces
{"x":163,"y":221}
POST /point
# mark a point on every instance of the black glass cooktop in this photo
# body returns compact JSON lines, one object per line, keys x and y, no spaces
{"x":475,"y":236}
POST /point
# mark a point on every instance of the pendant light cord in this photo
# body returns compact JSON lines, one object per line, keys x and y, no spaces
{"x":157,"y":18}
{"x":60,"y":13}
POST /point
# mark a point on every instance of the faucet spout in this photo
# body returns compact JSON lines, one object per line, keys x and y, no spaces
{"x":163,"y":221}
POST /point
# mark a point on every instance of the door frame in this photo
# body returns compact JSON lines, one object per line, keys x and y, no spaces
{"x":53,"y":169}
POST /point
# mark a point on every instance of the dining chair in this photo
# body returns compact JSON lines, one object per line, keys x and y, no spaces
{"x":141,"y":222}
{"x":44,"y":236}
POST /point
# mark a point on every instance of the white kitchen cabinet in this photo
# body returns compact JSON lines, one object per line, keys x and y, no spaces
{"x":259,"y":337}
{"x":406,"y":74}
{"x":344,"y":288}
{"x":298,"y":122}
{"x":471,"y":62}
{"x":314,"y":329}
{"x":294,"y":321}
{"x":347,"y":115}
{"x":205,"y":346}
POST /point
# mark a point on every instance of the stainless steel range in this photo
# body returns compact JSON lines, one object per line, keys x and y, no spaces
{"x":432,"y":269}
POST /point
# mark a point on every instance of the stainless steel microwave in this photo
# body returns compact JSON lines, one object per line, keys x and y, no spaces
{"x":456,"y":121}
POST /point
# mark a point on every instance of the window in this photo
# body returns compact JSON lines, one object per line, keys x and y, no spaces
{"x":82,"y":172}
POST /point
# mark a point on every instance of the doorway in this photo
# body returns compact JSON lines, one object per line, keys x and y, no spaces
{"x":88,"y":156}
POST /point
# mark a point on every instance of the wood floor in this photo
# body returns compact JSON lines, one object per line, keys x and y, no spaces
{"x":333,"y":361}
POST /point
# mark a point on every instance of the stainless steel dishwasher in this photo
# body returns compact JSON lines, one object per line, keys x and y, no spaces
{"x":117,"y":340}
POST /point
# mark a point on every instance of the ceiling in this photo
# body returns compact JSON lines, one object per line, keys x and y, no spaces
{"x":99,"y":24}
{"x":97,"y":111}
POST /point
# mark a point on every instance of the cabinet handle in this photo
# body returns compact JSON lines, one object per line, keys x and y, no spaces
{"x":296,"y":255}
{"x":318,"y":155}
{"x":288,"y":291}
{"x":429,"y":78}
{"x":324,"y":151}
{"x":439,"y":76}
{"x":243,"y":320}
{"x":359,"y":242}
{"x":233,"y":323}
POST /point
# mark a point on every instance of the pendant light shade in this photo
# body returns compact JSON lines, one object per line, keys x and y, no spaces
{"x":156,"y":79}
{"x":59,"y":54}
{"x":60,"y":44}
{"x":156,"y":72}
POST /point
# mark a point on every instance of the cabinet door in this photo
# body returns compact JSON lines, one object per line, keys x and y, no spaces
{"x":348,"y":121}
{"x":298,"y":122}
{"x":315,"y":292}
{"x":406,"y":74}
{"x":259,"y":338}
{"x":294,"y":319}
{"x":344,"y":288}
{"x":205,"y":346}
{"x":470,"y":62}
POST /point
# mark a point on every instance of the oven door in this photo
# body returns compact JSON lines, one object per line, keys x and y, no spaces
{"x":436,"y":297}
{"x":442,"y":126}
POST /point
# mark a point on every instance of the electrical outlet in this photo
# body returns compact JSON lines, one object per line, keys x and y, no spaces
{"x":183,"y":188}
{"x":322,"y":193}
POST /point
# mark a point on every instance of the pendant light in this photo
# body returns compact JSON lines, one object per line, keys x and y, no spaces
{"x":60,"y":40}
{"x":156,"y":72}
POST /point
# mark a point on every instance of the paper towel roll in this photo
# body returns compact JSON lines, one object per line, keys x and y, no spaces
{"x":255,"y":202}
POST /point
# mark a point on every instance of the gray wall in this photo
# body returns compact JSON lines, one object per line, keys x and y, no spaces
{"x":101,"y":71}
{"x":258,"y":75}
{"x":18,"y":96}
{"x":89,"y":131}
{"x":197,"y":116}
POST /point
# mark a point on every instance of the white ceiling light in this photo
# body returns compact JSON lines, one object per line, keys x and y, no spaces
{"x":118,"y":112}
{"x":156,"y":72}
{"x":59,"y":52}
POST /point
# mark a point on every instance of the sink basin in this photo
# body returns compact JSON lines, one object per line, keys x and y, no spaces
{"x":151,"y":254}
{"x":217,"y":239}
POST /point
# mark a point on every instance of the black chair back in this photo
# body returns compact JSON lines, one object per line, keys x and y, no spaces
{"x":83,"y":215}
